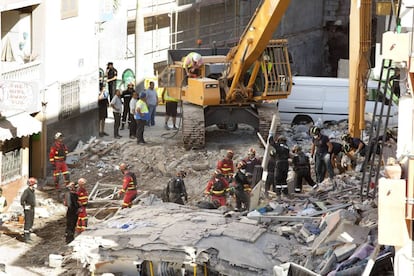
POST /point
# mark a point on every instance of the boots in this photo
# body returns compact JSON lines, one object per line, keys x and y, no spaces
{"x":122,"y":126}
{"x":27,"y":238}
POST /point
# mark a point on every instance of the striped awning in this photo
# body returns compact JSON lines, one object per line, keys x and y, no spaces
{"x":18,"y":125}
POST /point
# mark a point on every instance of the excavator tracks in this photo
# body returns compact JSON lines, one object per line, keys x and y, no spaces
{"x":193,"y":127}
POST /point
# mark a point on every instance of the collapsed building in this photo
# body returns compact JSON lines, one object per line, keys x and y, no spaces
{"x":304,"y":236}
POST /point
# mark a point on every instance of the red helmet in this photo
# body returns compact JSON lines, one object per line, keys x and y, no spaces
{"x":31,"y":181}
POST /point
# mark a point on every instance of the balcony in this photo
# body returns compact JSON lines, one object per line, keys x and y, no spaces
{"x":29,"y":71}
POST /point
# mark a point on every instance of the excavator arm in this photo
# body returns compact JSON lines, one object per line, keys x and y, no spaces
{"x":359,"y":54}
{"x":253,"y":43}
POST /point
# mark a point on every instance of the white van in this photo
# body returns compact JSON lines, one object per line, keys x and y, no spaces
{"x":314,"y":98}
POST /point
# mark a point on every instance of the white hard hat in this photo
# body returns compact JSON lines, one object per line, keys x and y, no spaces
{"x":196,"y":57}
{"x":58,"y":135}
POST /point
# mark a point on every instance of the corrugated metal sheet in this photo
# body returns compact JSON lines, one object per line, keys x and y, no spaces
{"x":18,"y":125}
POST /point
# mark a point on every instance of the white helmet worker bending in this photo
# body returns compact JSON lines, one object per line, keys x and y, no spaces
{"x":191,"y":64}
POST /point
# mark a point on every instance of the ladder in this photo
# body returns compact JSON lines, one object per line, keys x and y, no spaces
{"x":377,"y":132}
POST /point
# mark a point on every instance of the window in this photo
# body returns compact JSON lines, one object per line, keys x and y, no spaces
{"x":11,"y":166}
{"x":70,"y":104}
{"x":68,"y":8}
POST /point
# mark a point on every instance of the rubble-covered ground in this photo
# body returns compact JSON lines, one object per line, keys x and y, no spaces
{"x":154,"y":163}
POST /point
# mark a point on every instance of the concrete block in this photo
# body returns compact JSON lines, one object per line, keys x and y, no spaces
{"x":349,"y":233}
{"x":344,"y":251}
{"x":249,"y":221}
{"x":310,"y":239}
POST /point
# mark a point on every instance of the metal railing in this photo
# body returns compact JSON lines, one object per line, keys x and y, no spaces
{"x":23,"y":72}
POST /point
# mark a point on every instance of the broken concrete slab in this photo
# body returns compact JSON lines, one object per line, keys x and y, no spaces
{"x":176,"y":231}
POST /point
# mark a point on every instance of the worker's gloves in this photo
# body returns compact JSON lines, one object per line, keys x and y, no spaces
{"x":27,"y":207}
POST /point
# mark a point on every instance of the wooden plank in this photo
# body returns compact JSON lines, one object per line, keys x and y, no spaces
{"x":392,"y":229}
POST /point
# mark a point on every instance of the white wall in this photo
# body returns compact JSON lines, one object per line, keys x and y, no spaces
{"x":70,"y":53}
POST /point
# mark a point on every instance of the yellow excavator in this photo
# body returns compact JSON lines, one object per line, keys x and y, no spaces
{"x":233,"y":87}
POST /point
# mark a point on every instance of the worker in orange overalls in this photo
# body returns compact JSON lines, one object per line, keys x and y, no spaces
{"x":226,"y":166}
{"x":129,"y":186}
{"x":57,"y":157}
{"x":82,"y":222}
{"x":217,"y":188}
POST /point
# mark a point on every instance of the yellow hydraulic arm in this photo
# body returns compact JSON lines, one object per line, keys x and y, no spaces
{"x":254,"y":40}
{"x":359,"y":54}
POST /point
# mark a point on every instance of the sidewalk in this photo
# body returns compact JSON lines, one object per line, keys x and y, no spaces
{"x":152,"y":135}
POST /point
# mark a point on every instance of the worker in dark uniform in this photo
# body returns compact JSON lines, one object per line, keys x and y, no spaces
{"x":356,"y":144}
{"x":321,"y":151}
{"x":175,"y":190}
{"x":217,"y":188}
{"x":57,"y":157}
{"x":126,"y":98}
{"x":111,"y":76}
{"x":71,"y":201}
{"x":28,"y":202}
{"x":301,"y":167}
{"x":270,"y":178}
{"x":251,"y":161}
{"x":281,"y":164}
{"x":242,"y":187}
{"x":129,"y":186}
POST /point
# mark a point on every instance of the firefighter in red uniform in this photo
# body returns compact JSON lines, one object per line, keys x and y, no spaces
{"x":82,"y":222}
{"x":57,"y":157}
{"x":226,"y":166}
{"x":129,"y":186}
{"x":217,"y":188}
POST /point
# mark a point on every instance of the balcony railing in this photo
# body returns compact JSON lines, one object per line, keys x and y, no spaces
{"x":23,"y":72}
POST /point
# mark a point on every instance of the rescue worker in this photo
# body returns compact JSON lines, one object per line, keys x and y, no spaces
{"x":217,"y":187}
{"x":171,"y":105}
{"x":241,"y":187}
{"x":71,"y":201}
{"x":301,"y":167}
{"x":336,"y":156}
{"x":111,"y":76}
{"x":126,"y":97}
{"x":281,"y":164}
{"x":251,"y":161}
{"x":57,"y":158}
{"x":355,"y":143}
{"x":321,"y":151}
{"x":141,"y":116}
{"x":347,"y":159}
{"x":129,"y":186}
{"x":28,"y":202}
{"x":82,"y":193}
{"x":3,"y":202}
{"x":175,"y":190}
{"x":226,"y":166}
{"x":192,"y":63}
{"x":270,"y":178}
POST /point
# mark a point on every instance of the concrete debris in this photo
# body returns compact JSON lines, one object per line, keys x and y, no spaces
{"x":318,"y":232}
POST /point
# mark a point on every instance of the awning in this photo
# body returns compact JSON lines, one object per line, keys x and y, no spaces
{"x":18,"y":125}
